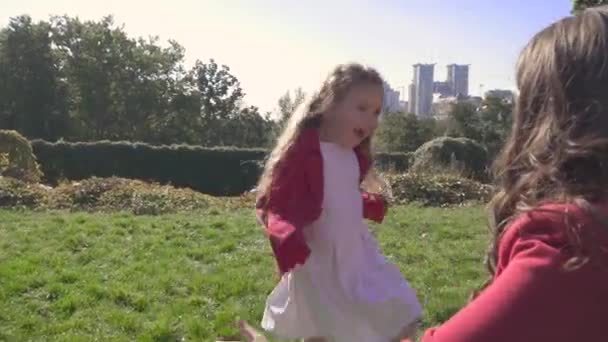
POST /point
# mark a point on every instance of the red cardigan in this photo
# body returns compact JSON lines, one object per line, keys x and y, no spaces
{"x":296,"y":198}
{"x":532,"y":298}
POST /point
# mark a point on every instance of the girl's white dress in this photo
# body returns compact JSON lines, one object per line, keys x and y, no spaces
{"x":346,"y":290}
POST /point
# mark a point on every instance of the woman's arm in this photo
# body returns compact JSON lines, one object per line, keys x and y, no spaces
{"x":528,"y":300}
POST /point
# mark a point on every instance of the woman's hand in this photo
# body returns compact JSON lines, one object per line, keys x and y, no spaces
{"x":250,"y":334}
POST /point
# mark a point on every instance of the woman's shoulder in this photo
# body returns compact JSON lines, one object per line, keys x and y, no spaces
{"x":554,"y":225}
{"x":554,"y":218}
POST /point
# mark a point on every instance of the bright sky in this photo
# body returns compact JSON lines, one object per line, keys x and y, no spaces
{"x":275,"y":45}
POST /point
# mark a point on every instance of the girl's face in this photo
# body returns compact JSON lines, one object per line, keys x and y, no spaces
{"x":355,"y":118}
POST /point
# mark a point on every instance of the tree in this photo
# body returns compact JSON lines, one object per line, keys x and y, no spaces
{"x":33,"y":90}
{"x":88,"y":80}
{"x":496,"y":121}
{"x":400,"y":132}
{"x":464,"y":121}
{"x":220,"y":96}
{"x":288,"y":105}
{"x":490,"y":125}
{"x":119,"y":86}
{"x":249,"y":129}
{"x":579,"y":5}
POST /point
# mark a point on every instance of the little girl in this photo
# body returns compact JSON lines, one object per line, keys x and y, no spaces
{"x":335,"y":284}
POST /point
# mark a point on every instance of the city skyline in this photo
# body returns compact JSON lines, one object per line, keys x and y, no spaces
{"x":424,"y":87}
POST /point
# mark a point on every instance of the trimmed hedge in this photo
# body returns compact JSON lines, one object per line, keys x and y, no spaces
{"x":215,"y":171}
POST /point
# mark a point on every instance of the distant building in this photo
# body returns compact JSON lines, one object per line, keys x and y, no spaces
{"x":442,"y":88}
{"x":458,"y":79}
{"x":390,"y":103}
{"x":423,"y":90}
{"x":411,"y":105}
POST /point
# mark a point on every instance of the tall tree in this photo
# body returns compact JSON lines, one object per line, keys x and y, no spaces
{"x":464,"y":121}
{"x":121,"y":87}
{"x":496,"y":121}
{"x":33,"y":92}
{"x":288,"y":104}
{"x":400,"y":132}
{"x":94,"y":56}
{"x":221,"y":96}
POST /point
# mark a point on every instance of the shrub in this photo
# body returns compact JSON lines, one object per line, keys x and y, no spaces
{"x":215,"y":171}
{"x":15,"y":193}
{"x":117,"y":194}
{"x":437,"y":189}
{"x":101,"y":194}
{"x":462,"y":155}
{"x":17,"y":158}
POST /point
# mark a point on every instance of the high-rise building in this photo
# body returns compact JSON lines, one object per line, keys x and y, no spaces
{"x":423,"y":90}
{"x":390,"y":103}
{"x":411,"y":103}
{"x":458,"y":79}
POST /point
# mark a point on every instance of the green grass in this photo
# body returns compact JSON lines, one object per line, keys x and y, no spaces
{"x":83,"y":277}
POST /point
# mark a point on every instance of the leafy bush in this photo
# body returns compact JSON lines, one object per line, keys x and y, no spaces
{"x":437,"y":189}
{"x":102,"y":194}
{"x":17,"y":158}
{"x":463,"y":155}
{"x":16,"y":193}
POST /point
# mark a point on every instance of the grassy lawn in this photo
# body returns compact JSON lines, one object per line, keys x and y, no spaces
{"x":119,"y":277}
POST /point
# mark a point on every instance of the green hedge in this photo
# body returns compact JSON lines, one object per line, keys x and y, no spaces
{"x":215,"y":171}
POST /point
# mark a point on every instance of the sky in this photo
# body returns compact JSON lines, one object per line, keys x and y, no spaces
{"x":273,"y":46}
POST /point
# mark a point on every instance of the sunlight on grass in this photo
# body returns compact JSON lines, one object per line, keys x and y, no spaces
{"x":78,"y":276}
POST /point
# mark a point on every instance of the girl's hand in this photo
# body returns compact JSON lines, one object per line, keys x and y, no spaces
{"x":250,"y":334}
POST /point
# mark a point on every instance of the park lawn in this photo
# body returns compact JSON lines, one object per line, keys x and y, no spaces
{"x":189,"y":277}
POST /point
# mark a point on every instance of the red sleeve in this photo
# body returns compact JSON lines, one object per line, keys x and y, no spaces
{"x":287,"y":242}
{"x":374,"y":207}
{"x":522,"y":298}
{"x":296,"y":204}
